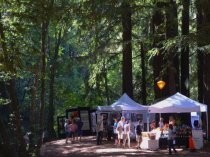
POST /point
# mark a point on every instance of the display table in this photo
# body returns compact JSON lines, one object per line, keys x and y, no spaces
{"x":149,"y":144}
{"x":197,"y":136}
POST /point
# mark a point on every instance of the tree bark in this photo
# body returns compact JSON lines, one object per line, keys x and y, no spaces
{"x":204,"y":56}
{"x":127,"y":78}
{"x":33,"y":104}
{"x":200,"y":57}
{"x":172,"y":59}
{"x":158,"y":67}
{"x":143,"y":69}
{"x":106,"y":82}
{"x":50,"y":124}
{"x":12,"y":95}
{"x":185,"y":50}
{"x":14,"y":105}
{"x":45,"y":25}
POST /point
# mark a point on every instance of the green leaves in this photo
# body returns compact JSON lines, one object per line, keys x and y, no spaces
{"x":4,"y":101}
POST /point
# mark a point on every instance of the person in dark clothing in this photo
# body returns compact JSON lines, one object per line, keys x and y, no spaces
{"x":79,"y":129}
{"x":139,"y":134}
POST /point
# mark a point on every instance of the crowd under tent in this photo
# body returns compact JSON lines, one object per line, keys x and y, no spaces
{"x":179,"y":103}
{"x":126,"y":107}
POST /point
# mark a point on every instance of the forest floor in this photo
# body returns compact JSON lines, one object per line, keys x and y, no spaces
{"x":88,"y":148}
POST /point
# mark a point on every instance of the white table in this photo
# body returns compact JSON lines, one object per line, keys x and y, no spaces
{"x":197,"y":136}
{"x":149,"y":144}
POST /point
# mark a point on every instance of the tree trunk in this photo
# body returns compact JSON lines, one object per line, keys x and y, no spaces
{"x":204,"y":73}
{"x":17,"y":122}
{"x":33,"y":102}
{"x":12,"y":95}
{"x":106,"y":82}
{"x":127,"y":78}
{"x":157,"y":21}
{"x":50,"y":124}
{"x":200,"y":57}
{"x":206,"y":89}
{"x":43,"y":75}
{"x":143,"y":84}
{"x":172,"y":59}
{"x":185,"y":50}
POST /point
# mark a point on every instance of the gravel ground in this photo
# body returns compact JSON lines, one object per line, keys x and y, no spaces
{"x":88,"y":148}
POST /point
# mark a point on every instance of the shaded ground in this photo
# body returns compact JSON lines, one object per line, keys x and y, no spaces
{"x":88,"y":148}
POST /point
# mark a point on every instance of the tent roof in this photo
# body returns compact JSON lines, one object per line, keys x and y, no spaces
{"x":126,"y":103}
{"x":108,"y":108}
{"x":177,"y":103}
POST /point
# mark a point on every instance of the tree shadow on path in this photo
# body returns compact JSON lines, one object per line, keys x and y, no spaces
{"x":88,"y":148}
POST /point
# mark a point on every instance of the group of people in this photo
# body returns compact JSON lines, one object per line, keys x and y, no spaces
{"x":73,"y":129}
{"x":121,"y":132}
{"x":171,"y":133}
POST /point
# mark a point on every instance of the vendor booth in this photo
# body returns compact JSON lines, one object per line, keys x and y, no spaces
{"x":126,"y":107}
{"x":84,"y":113}
{"x":179,"y":103}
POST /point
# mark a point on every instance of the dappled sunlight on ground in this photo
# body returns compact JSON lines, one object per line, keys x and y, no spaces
{"x":88,"y":148}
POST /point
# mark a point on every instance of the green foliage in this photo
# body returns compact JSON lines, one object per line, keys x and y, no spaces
{"x":4,"y":101}
{"x":90,"y":54}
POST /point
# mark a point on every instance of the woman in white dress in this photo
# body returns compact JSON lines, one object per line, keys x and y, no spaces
{"x":126,"y":136}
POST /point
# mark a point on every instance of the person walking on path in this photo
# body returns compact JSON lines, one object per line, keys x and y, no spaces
{"x":171,"y":137}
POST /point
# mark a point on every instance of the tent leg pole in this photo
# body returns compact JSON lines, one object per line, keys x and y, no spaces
{"x":207,"y":123}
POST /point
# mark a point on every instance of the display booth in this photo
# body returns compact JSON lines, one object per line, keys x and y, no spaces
{"x":61,"y":128}
{"x":84,"y":113}
{"x":179,"y":103}
{"x":126,"y":107}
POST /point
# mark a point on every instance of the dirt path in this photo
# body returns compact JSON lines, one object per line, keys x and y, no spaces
{"x":88,"y":148}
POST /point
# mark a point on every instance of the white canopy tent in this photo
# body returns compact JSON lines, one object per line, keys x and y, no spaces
{"x":178,"y":103}
{"x":126,"y":106}
{"x":124,"y":103}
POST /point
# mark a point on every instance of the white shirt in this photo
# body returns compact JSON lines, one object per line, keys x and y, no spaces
{"x":127,"y":128}
{"x":120,"y":126}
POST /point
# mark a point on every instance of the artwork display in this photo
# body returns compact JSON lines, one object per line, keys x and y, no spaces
{"x":84,"y":115}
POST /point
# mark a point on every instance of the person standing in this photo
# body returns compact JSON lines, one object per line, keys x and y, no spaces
{"x":139,"y":134}
{"x":73,"y":130}
{"x":115,"y":131}
{"x":171,"y":137}
{"x":126,"y":136}
{"x":79,"y":129}
{"x":120,"y":127}
{"x":67,"y":128}
{"x":99,"y":129}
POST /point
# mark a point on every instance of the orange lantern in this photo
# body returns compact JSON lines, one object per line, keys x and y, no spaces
{"x":161,"y":84}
